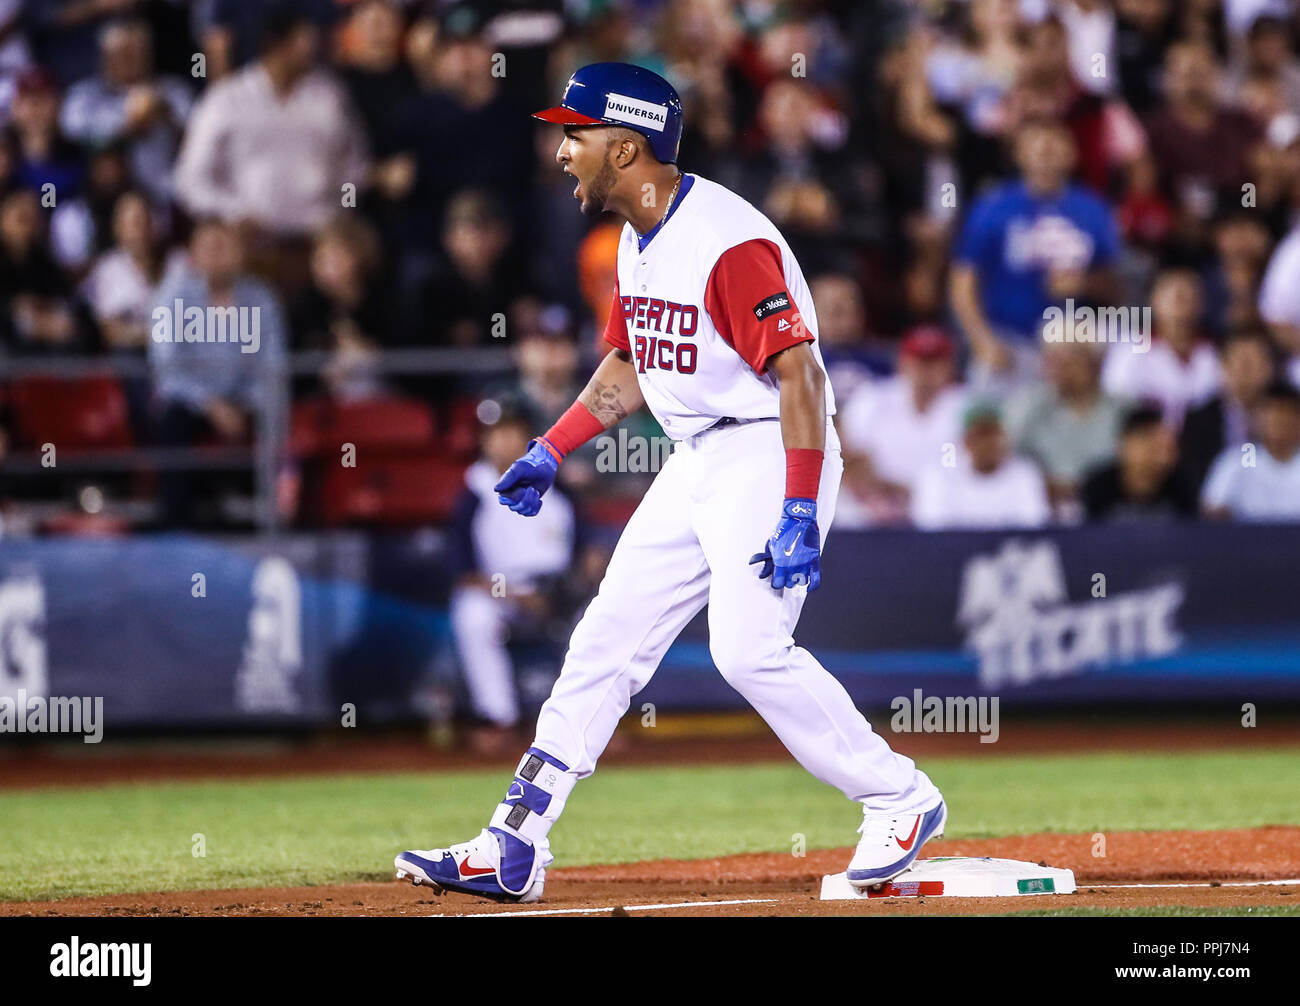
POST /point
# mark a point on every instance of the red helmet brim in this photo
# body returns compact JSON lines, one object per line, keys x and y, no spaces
{"x":566,"y":117}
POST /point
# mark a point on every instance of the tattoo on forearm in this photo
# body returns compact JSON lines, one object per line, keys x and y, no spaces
{"x":603,"y":401}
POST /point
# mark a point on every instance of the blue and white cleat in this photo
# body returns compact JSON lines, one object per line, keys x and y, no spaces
{"x":889,"y":844}
{"x":495,"y":865}
{"x":508,"y":860}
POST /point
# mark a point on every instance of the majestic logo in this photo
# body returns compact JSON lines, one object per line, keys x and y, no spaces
{"x":773,"y":304}
{"x":634,"y":110}
{"x":1021,"y":624}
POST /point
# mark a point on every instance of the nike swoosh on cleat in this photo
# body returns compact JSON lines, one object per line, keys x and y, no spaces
{"x":474,"y":871}
{"x":907,"y":846}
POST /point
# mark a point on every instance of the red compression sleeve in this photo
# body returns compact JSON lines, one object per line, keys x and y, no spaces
{"x":571,"y":431}
{"x":803,"y":473}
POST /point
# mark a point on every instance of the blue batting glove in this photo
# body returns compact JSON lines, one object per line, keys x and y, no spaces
{"x":793,"y":555}
{"x":524,"y":482}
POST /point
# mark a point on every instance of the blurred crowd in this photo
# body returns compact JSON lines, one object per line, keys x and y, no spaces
{"x":365,"y":175}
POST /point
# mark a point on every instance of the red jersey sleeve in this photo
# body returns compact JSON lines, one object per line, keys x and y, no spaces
{"x":750,"y":305}
{"x":616,"y":326}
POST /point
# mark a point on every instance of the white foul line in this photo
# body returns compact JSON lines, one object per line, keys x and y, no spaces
{"x":1203,"y":883}
{"x":771,"y":901}
{"x":626,"y":908}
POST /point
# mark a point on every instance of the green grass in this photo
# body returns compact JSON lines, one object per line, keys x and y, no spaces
{"x":122,"y":838}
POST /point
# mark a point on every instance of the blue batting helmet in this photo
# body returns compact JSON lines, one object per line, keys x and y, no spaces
{"x":620,"y":94}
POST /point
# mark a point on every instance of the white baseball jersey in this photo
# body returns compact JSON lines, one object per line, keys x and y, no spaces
{"x":702,"y":302}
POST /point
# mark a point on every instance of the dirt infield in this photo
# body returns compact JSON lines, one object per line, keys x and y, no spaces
{"x":1207,"y":869}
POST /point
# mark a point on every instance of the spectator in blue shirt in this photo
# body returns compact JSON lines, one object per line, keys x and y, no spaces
{"x":217,"y":340}
{"x":1026,"y":245}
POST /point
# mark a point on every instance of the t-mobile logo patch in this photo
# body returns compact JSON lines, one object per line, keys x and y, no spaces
{"x":773,"y":304}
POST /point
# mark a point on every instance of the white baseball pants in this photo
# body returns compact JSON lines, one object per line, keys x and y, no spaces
{"x":712,"y":506}
{"x":480,"y":624}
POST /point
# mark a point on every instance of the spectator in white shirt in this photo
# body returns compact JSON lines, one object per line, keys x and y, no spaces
{"x":984,"y":487}
{"x":1261,"y":482}
{"x":1279,"y":298}
{"x":122,"y":288}
{"x":126,"y":102}
{"x":1090,"y":27}
{"x":271,"y":146}
{"x":1181,"y":369}
{"x":896,"y":428}
{"x":15,"y":51}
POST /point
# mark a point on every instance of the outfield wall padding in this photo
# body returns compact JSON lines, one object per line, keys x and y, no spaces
{"x":178,"y":630}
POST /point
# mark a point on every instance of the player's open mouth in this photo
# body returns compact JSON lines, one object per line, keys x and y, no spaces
{"x":578,"y":186}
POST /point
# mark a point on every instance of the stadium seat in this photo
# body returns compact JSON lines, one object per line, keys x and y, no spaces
{"x":462,"y":427}
{"x":321,"y":425}
{"x":83,"y":525}
{"x":73,"y":413}
{"x":385,"y":488}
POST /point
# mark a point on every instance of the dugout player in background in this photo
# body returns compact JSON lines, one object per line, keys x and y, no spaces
{"x":487,"y":542}
{"x":713,"y":329}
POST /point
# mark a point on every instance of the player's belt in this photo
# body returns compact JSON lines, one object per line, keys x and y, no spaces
{"x":726,"y":421}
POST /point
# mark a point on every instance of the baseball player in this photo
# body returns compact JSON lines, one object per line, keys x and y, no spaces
{"x":713,"y":329}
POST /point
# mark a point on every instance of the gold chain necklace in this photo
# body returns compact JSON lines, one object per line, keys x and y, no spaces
{"x":672,"y":196}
